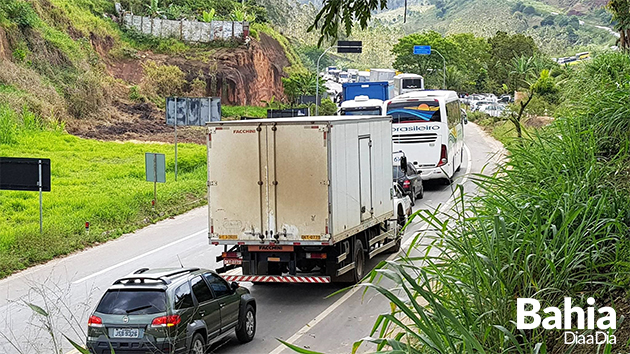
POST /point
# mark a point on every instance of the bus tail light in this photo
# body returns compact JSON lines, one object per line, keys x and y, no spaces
{"x":443,"y":157}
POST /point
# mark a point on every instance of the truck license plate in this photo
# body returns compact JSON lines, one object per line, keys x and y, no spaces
{"x":126,"y":333}
{"x":234,"y":261}
{"x":311,"y":237}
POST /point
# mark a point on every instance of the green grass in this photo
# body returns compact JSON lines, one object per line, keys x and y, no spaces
{"x":243,"y":111}
{"x":100,"y":182}
{"x":552,"y":223}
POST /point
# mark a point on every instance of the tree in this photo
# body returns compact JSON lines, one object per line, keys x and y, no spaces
{"x":547,"y":21}
{"x":574,"y":23}
{"x":301,"y":83}
{"x":503,"y":49}
{"x":529,"y":10}
{"x":620,"y":10}
{"x":406,"y":61}
{"x":545,"y":85}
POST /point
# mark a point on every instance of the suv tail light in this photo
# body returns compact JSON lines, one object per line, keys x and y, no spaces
{"x":443,"y":157}
{"x":406,"y":184}
{"x":166,"y":321}
{"x":95,"y":321}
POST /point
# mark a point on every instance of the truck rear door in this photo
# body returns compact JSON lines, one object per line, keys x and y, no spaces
{"x":299,"y":183}
{"x":236,"y":182}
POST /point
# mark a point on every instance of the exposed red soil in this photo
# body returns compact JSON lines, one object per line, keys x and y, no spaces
{"x":240,"y":76}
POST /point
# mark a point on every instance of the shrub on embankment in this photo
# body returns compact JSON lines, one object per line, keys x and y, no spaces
{"x":551,"y":223}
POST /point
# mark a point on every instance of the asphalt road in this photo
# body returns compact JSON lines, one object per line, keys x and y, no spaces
{"x":69,"y":288}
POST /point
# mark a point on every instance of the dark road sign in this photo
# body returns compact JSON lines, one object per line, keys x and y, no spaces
{"x":22,"y":174}
{"x":349,"y":47}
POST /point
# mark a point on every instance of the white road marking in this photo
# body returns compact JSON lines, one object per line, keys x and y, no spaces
{"x":294,"y":338}
{"x":140,"y":256}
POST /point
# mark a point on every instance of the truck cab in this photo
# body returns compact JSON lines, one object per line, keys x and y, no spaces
{"x":361,"y":106}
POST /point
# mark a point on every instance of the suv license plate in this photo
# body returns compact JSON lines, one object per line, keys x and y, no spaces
{"x":126,"y":333}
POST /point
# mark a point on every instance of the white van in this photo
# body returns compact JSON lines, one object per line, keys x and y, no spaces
{"x":429,"y":127}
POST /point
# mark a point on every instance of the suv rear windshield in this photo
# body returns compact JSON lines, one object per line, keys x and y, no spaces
{"x":132,"y":302}
{"x":398,"y":173}
{"x":414,"y":111}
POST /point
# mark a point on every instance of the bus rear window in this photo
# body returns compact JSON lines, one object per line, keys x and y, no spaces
{"x":414,"y":111}
{"x":412,"y":83}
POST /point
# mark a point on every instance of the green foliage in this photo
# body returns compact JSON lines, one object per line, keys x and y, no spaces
{"x":301,"y":83}
{"x":19,"y":12}
{"x":243,"y":111}
{"x":20,"y":52}
{"x":549,"y":225}
{"x":327,"y":107}
{"x":153,"y":8}
{"x":161,"y":81}
{"x":208,"y":16}
{"x":99,"y":182}
{"x":336,"y":17}
{"x":473,"y":63}
{"x":289,"y":51}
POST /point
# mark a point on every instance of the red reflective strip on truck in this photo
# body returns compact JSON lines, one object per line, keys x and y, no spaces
{"x":278,"y":279}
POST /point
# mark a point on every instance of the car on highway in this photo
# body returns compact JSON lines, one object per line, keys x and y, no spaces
{"x":170,"y":310}
{"x":493,"y":110}
{"x":409,"y":180}
{"x":402,"y":205}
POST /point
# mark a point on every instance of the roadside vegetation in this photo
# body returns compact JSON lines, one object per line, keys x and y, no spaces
{"x":92,"y":181}
{"x":551,"y":223}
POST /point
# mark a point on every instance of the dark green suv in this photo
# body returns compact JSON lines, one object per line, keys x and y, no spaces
{"x":180,"y":310}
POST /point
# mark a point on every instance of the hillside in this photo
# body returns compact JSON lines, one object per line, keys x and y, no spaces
{"x":558,"y":26}
{"x":70,"y":61}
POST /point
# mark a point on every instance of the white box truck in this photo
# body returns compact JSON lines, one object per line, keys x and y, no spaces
{"x":301,"y":200}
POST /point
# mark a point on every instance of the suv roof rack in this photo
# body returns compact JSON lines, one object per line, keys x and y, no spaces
{"x":161,"y":277}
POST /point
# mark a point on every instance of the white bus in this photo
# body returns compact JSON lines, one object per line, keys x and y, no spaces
{"x":429,"y":127}
{"x":361,"y":106}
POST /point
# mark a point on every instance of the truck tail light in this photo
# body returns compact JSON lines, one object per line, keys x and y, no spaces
{"x":166,"y":321}
{"x":443,"y":157}
{"x":316,"y":256}
{"x":231,"y":254}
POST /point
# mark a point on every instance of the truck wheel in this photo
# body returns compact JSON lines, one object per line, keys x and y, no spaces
{"x":396,"y":248}
{"x":359,"y":261}
{"x":402,"y":218}
{"x":246,"y":328}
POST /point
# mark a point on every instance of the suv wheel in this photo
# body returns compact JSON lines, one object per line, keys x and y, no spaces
{"x":198,"y":345}
{"x":412,"y":196}
{"x":246,"y":328}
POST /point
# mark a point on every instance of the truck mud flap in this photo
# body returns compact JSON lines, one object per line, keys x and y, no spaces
{"x":278,"y":279}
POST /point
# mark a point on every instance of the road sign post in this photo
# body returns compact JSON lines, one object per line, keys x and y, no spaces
{"x":191,"y":111}
{"x":26,"y":174}
{"x":155,"y":170}
{"x":427,"y":50}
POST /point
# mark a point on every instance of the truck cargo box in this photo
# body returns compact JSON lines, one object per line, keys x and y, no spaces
{"x":298,"y":181}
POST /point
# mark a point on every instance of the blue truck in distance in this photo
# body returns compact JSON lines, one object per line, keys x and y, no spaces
{"x":375,"y":90}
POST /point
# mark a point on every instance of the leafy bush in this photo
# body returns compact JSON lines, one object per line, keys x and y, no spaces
{"x":88,"y":96}
{"x":327,"y":107}
{"x":162,"y":80}
{"x":19,"y":12}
